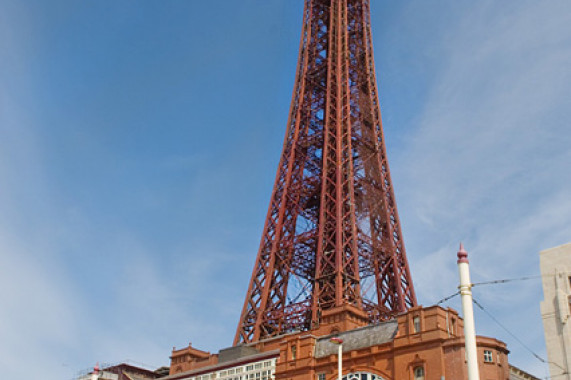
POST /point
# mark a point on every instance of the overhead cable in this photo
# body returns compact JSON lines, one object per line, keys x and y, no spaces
{"x":447,"y":298}
{"x":506,"y":280}
{"x":516,"y":338}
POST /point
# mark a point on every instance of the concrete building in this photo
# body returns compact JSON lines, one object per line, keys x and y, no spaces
{"x":555,"y":264}
{"x":421,"y":344}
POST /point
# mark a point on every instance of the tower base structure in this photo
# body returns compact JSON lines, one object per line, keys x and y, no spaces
{"x":420,"y":344}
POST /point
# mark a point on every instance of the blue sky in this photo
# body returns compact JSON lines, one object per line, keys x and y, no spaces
{"x":139,"y":141}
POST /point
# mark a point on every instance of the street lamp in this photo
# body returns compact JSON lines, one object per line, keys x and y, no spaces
{"x":339,"y":343}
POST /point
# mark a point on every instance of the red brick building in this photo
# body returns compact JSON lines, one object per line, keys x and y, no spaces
{"x":421,"y":344}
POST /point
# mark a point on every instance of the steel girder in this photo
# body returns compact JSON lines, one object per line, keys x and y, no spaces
{"x":332,"y":234}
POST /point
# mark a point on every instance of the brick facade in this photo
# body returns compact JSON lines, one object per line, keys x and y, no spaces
{"x":427,"y":340}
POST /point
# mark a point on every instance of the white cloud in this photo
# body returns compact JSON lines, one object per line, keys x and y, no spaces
{"x":39,"y":310}
{"x":488,"y":162}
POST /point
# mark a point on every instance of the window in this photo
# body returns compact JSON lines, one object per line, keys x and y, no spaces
{"x":418,"y":373}
{"x":416,"y":324}
{"x":293,"y":352}
{"x":321,"y":376}
{"x":362,"y":376}
{"x":488,"y":357}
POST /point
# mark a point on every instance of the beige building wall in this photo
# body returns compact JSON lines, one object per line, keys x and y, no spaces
{"x":555,"y":264}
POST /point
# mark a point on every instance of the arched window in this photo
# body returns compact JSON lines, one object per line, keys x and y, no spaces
{"x":418,"y":373}
{"x":362,"y":376}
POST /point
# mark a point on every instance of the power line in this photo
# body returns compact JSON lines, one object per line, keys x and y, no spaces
{"x":447,"y":298}
{"x":516,"y":338}
{"x":493,"y":282}
{"x":503,"y":281}
{"x":554,"y":376}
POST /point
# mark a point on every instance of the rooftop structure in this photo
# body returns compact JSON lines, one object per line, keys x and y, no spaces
{"x":122,"y":371}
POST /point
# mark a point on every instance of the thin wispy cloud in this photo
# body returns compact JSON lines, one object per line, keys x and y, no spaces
{"x":138,"y":147}
{"x":487,"y":161}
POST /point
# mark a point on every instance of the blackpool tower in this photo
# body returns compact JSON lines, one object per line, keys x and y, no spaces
{"x":332,"y":235}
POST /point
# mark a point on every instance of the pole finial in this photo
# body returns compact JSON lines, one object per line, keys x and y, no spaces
{"x":462,"y":254}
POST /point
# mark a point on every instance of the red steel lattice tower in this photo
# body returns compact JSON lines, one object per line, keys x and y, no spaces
{"x":332,"y":234}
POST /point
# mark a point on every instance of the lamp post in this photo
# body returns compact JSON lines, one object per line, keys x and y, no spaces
{"x":339,"y":343}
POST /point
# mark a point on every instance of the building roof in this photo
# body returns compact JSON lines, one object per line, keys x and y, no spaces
{"x":356,"y":339}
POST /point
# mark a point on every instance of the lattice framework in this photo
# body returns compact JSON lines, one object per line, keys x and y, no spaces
{"x":332,"y":234}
